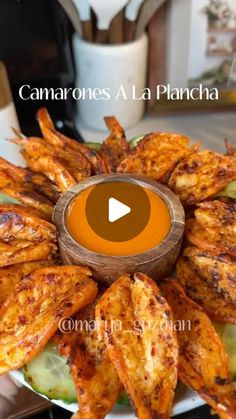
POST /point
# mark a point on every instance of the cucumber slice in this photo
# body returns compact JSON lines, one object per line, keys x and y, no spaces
{"x":229,"y":191}
{"x":94,"y":146}
{"x":227,"y":333}
{"x":123,"y":399}
{"x":134,"y":141}
{"x":6,"y":199}
{"x":97,"y":146}
{"x":48,"y":374}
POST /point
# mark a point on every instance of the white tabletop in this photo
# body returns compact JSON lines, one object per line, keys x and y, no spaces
{"x":210,"y":128}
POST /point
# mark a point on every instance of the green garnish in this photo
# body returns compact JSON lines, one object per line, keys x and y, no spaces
{"x":123,"y":399}
{"x":134,"y":141}
{"x":94,"y":146}
{"x":229,"y":191}
{"x":48,"y":374}
{"x":6,"y":199}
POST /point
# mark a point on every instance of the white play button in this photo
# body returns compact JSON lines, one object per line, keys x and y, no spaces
{"x":117,"y":210}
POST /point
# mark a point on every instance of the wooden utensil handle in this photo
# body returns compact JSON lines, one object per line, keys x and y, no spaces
{"x":101,"y":36}
{"x":130,"y":27}
{"x":87,"y":32}
{"x":116,"y":31}
{"x":157,"y":31}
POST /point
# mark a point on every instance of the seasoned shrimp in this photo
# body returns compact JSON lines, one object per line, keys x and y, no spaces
{"x":17,"y":222}
{"x":218,"y":271}
{"x":29,"y":197}
{"x":203,"y":363}
{"x":44,"y":186}
{"x":15,"y":172}
{"x":196,"y":287}
{"x":17,"y":253}
{"x":5,"y":180}
{"x":144,"y":352}
{"x":95,"y":377}
{"x":115,"y":148}
{"x":156,"y":155}
{"x":201,"y":175}
{"x":36,"y":181}
{"x":55,"y":138}
{"x":54,"y":170}
{"x":77,"y":165}
{"x":24,"y":191}
{"x":230,"y":150}
{"x":11,"y":275}
{"x":31,"y":314}
{"x":214,"y":227}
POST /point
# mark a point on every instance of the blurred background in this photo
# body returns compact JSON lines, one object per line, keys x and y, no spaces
{"x":36,"y":49}
{"x":189,"y":42}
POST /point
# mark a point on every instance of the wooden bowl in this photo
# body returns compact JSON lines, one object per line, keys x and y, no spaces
{"x":156,"y":262}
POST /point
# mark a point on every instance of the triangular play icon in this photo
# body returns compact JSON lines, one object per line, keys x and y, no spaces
{"x":117,"y":210}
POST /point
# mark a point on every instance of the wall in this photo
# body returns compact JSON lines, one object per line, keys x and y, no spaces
{"x":178,"y":25}
{"x":187,"y":41}
{"x":198,"y":39}
{"x":198,"y":61}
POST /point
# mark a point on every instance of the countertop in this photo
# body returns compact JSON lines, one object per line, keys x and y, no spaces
{"x":210,"y":128}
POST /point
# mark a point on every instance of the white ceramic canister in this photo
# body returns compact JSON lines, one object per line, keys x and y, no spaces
{"x":110,"y":79}
{"x":8,"y":119}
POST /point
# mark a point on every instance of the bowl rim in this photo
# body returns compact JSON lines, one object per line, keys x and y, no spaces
{"x":173,"y":203}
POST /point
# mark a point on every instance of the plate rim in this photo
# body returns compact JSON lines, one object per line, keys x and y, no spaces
{"x":185,"y":404}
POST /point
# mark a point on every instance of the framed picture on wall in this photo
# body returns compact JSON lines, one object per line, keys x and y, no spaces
{"x":194,"y":66}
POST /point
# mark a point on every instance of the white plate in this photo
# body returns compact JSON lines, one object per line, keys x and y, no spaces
{"x":185,"y":399}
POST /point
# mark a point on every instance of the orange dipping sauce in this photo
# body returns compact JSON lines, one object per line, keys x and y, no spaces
{"x":155,"y":231}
